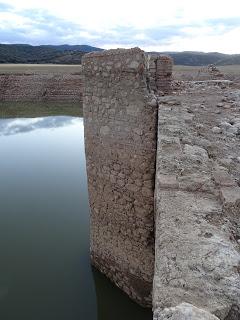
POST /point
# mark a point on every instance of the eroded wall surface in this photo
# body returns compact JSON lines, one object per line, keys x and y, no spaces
{"x":41,"y":87}
{"x":120,"y":119}
{"x":160,"y":74}
{"x":196,"y":207}
{"x":197,"y":257}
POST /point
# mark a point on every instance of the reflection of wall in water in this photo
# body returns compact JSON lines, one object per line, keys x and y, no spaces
{"x":113,"y":303}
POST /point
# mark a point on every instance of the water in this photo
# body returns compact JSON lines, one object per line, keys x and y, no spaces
{"x":45,"y":272}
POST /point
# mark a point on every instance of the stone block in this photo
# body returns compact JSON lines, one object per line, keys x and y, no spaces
{"x":230,"y":196}
{"x":184,"y":311}
{"x":222,"y":178}
{"x":167,"y":181}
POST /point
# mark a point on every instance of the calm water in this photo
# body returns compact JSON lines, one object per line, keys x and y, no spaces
{"x":45,"y":272}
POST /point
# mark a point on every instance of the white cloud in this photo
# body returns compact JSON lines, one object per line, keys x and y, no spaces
{"x":139,"y":14}
{"x":8,"y":19}
{"x":198,"y":41}
{"x":96,"y":22}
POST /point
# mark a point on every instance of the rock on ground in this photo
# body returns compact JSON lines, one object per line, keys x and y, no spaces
{"x":184,"y":311}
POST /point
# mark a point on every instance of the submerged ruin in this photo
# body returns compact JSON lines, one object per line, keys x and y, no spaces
{"x":164,"y":192}
{"x":163,"y":165}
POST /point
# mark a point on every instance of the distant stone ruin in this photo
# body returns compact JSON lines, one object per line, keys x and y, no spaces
{"x":214,"y":72}
{"x":160,"y":74}
{"x":210,"y":72}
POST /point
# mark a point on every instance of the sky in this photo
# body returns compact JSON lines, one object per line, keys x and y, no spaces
{"x":153,"y":25}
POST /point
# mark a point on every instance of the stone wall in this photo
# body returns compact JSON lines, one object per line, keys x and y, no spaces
{"x":160,"y":74}
{"x":197,"y":246}
{"x":120,"y":121}
{"x":40,"y":87}
{"x":191,"y":200}
{"x":164,"y":66}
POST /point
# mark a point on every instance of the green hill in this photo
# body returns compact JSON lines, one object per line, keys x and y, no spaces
{"x":67,"y":47}
{"x":72,"y":54}
{"x":23,"y":53}
{"x":191,"y":58}
{"x":230,"y":60}
{"x":194,"y":58}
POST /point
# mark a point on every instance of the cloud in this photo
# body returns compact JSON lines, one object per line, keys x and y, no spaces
{"x":17,"y":126}
{"x":155,"y":26}
{"x":5,"y":6}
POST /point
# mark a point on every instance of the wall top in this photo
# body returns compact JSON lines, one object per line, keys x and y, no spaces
{"x":112,"y":52}
{"x":115,"y":63}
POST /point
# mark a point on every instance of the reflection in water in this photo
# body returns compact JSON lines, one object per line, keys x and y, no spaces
{"x":112,"y":303}
{"x":20,"y":125}
{"x":45,"y":271}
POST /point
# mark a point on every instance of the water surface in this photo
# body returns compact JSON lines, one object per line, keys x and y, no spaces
{"x":45,"y":272}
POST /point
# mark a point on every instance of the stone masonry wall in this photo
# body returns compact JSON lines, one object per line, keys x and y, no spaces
{"x":192,"y":206}
{"x":160,"y":74}
{"x":197,"y":246}
{"x":164,"y":66}
{"x":40,"y":87}
{"x":120,"y":119}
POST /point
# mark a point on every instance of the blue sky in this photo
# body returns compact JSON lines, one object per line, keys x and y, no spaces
{"x":153,"y":25}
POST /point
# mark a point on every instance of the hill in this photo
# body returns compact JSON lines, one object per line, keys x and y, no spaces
{"x":72,"y":54}
{"x":230,"y":60}
{"x":24,"y":53}
{"x":194,"y":58}
{"x":67,"y":47}
{"x":191,"y":58}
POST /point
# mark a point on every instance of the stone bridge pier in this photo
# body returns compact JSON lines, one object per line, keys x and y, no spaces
{"x":164,"y":213}
{"x":120,"y":123}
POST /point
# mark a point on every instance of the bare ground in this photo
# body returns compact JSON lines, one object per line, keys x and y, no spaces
{"x":39,"y":68}
{"x":231,"y":72}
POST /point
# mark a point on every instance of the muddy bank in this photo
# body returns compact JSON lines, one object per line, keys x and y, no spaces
{"x":41,"y":87}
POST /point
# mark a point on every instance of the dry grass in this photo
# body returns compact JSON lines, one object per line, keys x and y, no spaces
{"x":39,"y":68}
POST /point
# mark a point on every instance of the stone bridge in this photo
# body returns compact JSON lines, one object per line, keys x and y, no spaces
{"x":158,"y":205}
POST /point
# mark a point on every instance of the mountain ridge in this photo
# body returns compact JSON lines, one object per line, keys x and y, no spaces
{"x":72,"y":54}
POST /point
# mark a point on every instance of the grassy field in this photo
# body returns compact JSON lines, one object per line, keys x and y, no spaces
{"x":37,"y":109}
{"x":39,"y":68}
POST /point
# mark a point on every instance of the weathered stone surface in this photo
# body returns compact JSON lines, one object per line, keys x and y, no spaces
{"x":197,"y":199}
{"x":160,"y":74}
{"x":120,"y":120}
{"x":184,"y":311}
{"x":197,"y":218}
{"x":216,"y":130}
{"x":41,"y":87}
{"x":222,"y":178}
{"x":195,"y":261}
{"x":163,"y":74}
{"x":230,"y":196}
